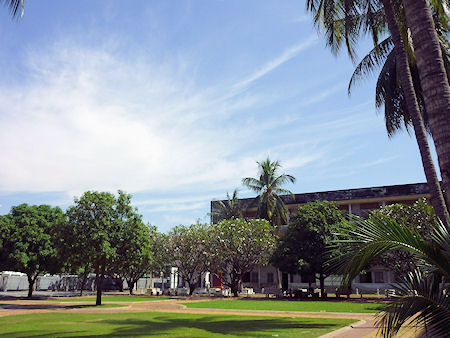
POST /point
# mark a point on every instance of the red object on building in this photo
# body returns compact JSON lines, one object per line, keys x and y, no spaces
{"x":217,"y":280}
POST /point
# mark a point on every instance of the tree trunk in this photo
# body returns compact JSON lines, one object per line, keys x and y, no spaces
{"x":31,"y":280}
{"x":192,"y":287}
{"x":322,"y":285}
{"x":83,"y":283}
{"x":131,"y":286}
{"x":99,"y":279}
{"x":120,"y":284}
{"x":437,"y":198}
{"x":433,"y":79}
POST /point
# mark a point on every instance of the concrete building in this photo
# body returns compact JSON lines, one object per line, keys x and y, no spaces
{"x":352,"y":201}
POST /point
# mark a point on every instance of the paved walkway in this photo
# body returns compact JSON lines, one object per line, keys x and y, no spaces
{"x":363,"y":327}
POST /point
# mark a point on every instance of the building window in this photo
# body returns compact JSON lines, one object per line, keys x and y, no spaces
{"x":291,"y":278}
{"x":254,"y":277}
{"x":379,"y":277}
{"x":246,"y":277}
{"x":270,"y":277}
{"x":365,"y":278}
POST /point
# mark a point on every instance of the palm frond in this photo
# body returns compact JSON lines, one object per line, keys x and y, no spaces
{"x":375,"y":58}
{"x":362,"y":240}
{"x":419,"y":303}
{"x":16,"y":7}
{"x":281,"y":180}
{"x":253,"y":183}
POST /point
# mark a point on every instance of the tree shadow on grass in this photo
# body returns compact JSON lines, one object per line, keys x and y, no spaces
{"x":164,"y":324}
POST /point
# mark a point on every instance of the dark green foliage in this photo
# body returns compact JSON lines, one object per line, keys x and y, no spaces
{"x":28,"y":240}
{"x":237,"y":246}
{"x":99,"y":230}
{"x":303,"y":248}
{"x":269,"y":187}
{"x":134,"y":255}
{"x":159,"y":247}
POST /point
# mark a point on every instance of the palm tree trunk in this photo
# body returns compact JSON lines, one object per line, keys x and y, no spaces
{"x":437,"y":199}
{"x":433,"y":79}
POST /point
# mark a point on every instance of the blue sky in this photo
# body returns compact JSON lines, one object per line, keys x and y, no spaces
{"x":175,"y":101}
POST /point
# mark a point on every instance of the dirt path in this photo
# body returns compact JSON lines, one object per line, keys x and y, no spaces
{"x":364,"y":327}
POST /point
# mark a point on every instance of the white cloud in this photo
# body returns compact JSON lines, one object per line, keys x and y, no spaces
{"x":89,"y":119}
{"x":276,"y":62}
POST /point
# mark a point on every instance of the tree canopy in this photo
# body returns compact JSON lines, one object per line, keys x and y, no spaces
{"x":303,"y":247}
{"x":28,"y":240}
{"x":99,"y":224}
{"x":269,"y":187}
{"x":237,"y":246}
{"x":189,"y":251}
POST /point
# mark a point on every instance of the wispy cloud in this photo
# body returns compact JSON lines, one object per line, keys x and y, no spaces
{"x":301,"y":18}
{"x":75,"y":124}
{"x":323,"y":94}
{"x":276,"y":62}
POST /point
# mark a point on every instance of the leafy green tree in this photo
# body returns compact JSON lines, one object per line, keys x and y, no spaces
{"x":73,"y":256}
{"x":237,"y":246}
{"x":188,"y":246}
{"x":269,"y":187}
{"x":29,"y":243}
{"x":421,"y":301}
{"x":98,"y":221}
{"x":303,"y":248}
{"x":229,"y":209}
{"x":134,"y":255}
{"x":160,"y":251}
{"x":420,"y":217}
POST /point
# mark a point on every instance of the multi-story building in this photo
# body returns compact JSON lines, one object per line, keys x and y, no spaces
{"x":352,"y":201}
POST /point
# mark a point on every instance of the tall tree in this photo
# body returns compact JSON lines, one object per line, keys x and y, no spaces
{"x":189,"y":250}
{"x":269,"y":187}
{"x":134,"y":255}
{"x":161,"y":253}
{"x":29,"y":243}
{"x":237,"y":246}
{"x":433,"y":78}
{"x":303,"y":247}
{"x":98,"y":220}
{"x":346,"y":21}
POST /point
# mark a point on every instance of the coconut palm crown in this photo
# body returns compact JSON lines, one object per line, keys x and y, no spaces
{"x":229,"y":209}
{"x":269,"y":187}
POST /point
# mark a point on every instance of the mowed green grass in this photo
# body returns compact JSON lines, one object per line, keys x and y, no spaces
{"x":281,"y":305}
{"x":164,"y":324}
{"x":123,"y":298}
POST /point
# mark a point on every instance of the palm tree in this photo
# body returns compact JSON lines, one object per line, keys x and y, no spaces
{"x":269,"y":187}
{"x":346,"y":21}
{"x":16,"y":7}
{"x":388,"y":91}
{"x":229,"y":209}
{"x":436,"y":89}
{"x":420,"y":299}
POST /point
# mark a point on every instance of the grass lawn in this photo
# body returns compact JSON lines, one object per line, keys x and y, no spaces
{"x":164,"y":324}
{"x":281,"y":305}
{"x":105,"y":298}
